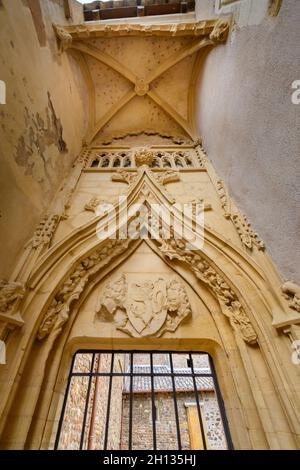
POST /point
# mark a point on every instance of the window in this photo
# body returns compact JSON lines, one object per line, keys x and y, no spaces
{"x":142,"y":401}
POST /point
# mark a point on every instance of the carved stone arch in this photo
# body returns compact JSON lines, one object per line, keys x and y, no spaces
{"x":61,"y":350}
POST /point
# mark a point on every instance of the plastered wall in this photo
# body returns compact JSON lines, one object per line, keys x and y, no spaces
{"x":42,"y":122}
{"x":249,"y":124}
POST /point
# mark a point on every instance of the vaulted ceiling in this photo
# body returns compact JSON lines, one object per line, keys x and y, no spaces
{"x":141,"y":77}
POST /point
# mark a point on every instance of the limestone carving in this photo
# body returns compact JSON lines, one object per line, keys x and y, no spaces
{"x":59,"y":310}
{"x":169,"y":176}
{"x":291,"y":292}
{"x":248,"y":237}
{"x":67,"y":204}
{"x":10,"y":294}
{"x":143,"y":156}
{"x":145,"y":308}
{"x":64,"y":38}
{"x":124,"y":176}
{"x":45,"y":230}
{"x":201,"y":28}
{"x":224,"y":198}
{"x":246,"y":233}
{"x":229,"y":302}
{"x":220,"y":30}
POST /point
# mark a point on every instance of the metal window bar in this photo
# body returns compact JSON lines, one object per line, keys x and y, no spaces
{"x":172,"y":373}
{"x":109,"y":401}
{"x":198,"y":404}
{"x":175,"y":403}
{"x":153,"y":403}
{"x":87,"y":402}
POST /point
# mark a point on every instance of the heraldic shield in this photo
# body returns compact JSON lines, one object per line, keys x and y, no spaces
{"x":144,"y":308}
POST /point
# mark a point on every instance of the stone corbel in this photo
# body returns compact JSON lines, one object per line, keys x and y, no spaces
{"x":11,"y":294}
{"x":64,"y":39}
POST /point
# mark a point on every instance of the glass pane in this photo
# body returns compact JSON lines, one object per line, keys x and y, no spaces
{"x":201,"y":363}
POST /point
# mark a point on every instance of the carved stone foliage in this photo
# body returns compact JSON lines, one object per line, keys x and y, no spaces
{"x":229,"y":302}
{"x":96,"y":202}
{"x":248,"y":237}
{"x":45,"y":230}
{"x":123,"y":176}
{"x":220,"y":30}
{"x":10,"y":294}
{"x":146,"y":308}
{"x":143,"y":156}
{"x":169,"y":176}
{"x":245,"y":231}
{"x":291,"y":292}
{"x":59,"y":310}
{"x":224,"y":198}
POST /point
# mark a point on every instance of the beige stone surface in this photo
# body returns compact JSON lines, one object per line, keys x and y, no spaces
{"x":241,"y":311}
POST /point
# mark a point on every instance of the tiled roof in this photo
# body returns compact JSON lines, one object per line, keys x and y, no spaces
{"x":164,"y":383}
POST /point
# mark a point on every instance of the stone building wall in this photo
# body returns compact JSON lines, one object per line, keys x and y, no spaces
{"x":142,"y":437}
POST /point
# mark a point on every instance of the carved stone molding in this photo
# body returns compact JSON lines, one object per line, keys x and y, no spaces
{"x":59,"y":310}
{"x":96,"y":202}
{"x":224,"y":198}
{"x":146,"y":308}
{"x":229,"y":302}
{"x":246,"y":233}
{"x":248,"y":237}
{"x":216,"y":28}
{"x":45,"y":231}
{"x":291,"y":292}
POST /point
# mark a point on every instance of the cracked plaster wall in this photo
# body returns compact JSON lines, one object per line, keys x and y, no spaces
{"x":249,"y":125}
{"x":43,"y":121}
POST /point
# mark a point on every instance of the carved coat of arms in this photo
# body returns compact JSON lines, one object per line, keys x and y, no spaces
{"x":145,"y":308}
